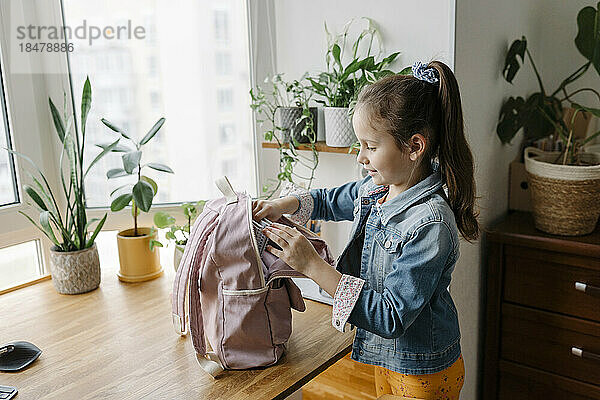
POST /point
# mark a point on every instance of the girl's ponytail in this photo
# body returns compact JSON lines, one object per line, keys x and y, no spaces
{"x":454,"y":154}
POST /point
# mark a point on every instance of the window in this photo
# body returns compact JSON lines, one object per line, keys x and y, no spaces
{"x":163,"y":75}
{"x":225,"y":100}
{"x":19,"y":264}
{"x":223,"y":63}
{"x":226,"y":133}
{"x":8,"y":186}
{"x":228,"y":168}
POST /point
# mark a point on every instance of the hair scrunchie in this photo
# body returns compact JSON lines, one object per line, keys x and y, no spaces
{"x":422,"y":72}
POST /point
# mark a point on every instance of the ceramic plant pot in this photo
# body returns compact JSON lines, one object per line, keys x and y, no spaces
{"x":177,"y":254}
{"x":75,"y":272}
{"x":338,"y":129}
{"x":137,"y":262}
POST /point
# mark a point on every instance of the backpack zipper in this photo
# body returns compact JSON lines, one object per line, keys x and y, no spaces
{"x":254,"y":244}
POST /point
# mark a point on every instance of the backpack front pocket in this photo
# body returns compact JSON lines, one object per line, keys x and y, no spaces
{"x":280,"y":314}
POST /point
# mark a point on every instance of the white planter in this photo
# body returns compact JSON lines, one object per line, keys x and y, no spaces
{"x":338,"y":128}
{"x":75,"y":272}
{"x":177,"y":254}
{"x":565,"y":198}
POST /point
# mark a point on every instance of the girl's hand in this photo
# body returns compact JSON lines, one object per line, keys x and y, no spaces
{"x":274,"y":209}
{"x":297,"y":252}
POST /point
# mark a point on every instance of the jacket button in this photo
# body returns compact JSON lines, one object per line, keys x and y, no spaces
{"x":388,"y":244}
{"x":365,"y":202}
{"x":337,"y":322}
{"x":361,"y":352}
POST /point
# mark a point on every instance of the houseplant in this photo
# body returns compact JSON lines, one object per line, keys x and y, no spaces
{"x":137,"y":262}
{"x":340,"y":83}
{"x":565,"y":184}
{"x":178,"y":234}
{"x":74,"y":262}
{"x":274,"y":99}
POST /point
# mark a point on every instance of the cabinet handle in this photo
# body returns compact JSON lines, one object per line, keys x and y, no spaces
{"x":576,"y":351}
{"x":587,"y":289}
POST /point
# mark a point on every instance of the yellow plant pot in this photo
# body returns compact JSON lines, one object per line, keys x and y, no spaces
{"x":137,"y":262}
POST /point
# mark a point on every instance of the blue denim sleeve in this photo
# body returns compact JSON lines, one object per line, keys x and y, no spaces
{"x":408,"y":288}
{"x":336,"y":204}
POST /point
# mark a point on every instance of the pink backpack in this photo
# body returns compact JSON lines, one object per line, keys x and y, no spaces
{"x":239,"y":303}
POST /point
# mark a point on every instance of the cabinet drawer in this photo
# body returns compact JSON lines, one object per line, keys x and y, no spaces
{"x":517,"y":382}
{"x":545,"y":340}
{"x":549,"y":285}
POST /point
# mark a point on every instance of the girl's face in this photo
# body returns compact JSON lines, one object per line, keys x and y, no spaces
{"x":383,"y":160}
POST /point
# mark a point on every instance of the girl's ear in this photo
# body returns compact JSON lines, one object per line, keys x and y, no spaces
{"x":417,"y":145}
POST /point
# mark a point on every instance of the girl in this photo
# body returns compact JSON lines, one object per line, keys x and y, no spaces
{"x":391,"y":281}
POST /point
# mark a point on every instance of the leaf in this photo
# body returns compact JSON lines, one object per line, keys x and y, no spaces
{"x":120,"y":187}
{"x":151,"y":182}
{"x":335,"y":51}
{"x":119,"y":148}
{"x":35,"y":197}
{"x":104,"y":152}
{"x":143,"y":195}
{"x":406,"y":71}
{"x":511,"y":64}
{"x":511,"y":119}
{"x":116,"y":172}
{"x":58,"y":123}
{"x":90,"y":241}
{"x":593,"y":111}
{"x":170,"y":236}
{"x":121,"y":202}
{"x":160,"y":167}
{"x":45,"y":223}
{"x":114,"y":128}
{"x":131,"y":160}
{"x":155,"y":243}
{"x":53,"y":238}
{"x":163,"y":220}
{"x":86,"y":103}
{"x":587,"y":40}
{"x":152,"y":131}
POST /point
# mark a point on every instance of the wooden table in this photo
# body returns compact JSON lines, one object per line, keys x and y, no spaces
{"x":118,"y":342}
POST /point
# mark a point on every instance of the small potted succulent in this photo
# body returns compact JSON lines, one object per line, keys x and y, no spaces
{"x":339,"y":84}
{"x":74,"y":262}
{"x":137,"y":261}
{"x":178,"y":234}
{"x":565,"y":184}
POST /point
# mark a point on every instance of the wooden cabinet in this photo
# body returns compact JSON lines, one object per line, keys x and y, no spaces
{"x":542,"y":338}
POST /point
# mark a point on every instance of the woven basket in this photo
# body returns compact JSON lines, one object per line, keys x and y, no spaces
{"x":565,"y":198}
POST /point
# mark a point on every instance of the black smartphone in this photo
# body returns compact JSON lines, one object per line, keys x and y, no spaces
{"x":7,"y":392}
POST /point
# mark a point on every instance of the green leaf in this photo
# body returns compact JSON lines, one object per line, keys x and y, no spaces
{"x":163,"y":220}
{"x":114,"y":128}
{"x":151,"y":182}
{"x":119,"y":148}
{"x":335,"y":51}
{"x":587,"y":40}
{"x":90,"y":241}
{"x":131,"y":161}
{"x":35,"y":197}
{"x":511,"y":119}
{"x":116,"y":172}
{"x":152,"y":131}
{"x":45,"y":223}
{"x":104,"y":152}
{"x":593,"y":111}
{"x":52,"y":238}
{"x":155,"y":243}
{"x":170,"y":236}
{"x":511,"y":63}
{"x":143,"y":195}
{"x":58,"y":123}
{"x":406,"y":71}
{"x":86,"y":103}
{"x":160,"y":167}
{"x":121,"y":202}
{"x":120,"y":187}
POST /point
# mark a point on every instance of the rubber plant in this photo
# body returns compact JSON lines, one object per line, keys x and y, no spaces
{"x":267,"y":98}
{"x":141,"y":193}
{"x":540,"y":115}
{"x":69,"y":229}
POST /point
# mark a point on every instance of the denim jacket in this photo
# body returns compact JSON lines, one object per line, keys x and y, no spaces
{"x":405,"y":251}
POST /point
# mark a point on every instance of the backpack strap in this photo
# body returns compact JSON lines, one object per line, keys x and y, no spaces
{"x":225,"y":187}
{"x":192,"y":253}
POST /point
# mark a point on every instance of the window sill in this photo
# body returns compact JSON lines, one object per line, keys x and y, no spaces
{"x":319,"y":146}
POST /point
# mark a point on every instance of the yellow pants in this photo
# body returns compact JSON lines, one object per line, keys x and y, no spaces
{"x":445,"y":384}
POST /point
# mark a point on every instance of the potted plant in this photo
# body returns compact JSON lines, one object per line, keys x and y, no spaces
{"x":74,"y":262}
{"x":565,"y":184}
{"x":178,"y":234}
{"x":137,"y":262}
{"x":339,"y":84}
{"x":283,"y":109}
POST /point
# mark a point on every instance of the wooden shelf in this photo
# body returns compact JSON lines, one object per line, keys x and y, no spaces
{"x":320,"y":146}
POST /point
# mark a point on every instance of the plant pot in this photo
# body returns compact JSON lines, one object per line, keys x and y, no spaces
{"x":75,"y":272}
{"x":137,"y":262}
{"x":286,"y":120}
{"x":177,"y":254}
{"x":564,"y":197}
{"x":338,"y":129}
{"x":320,"y":124}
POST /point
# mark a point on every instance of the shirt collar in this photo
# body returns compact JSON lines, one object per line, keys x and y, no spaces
{"x":401,"y":202}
